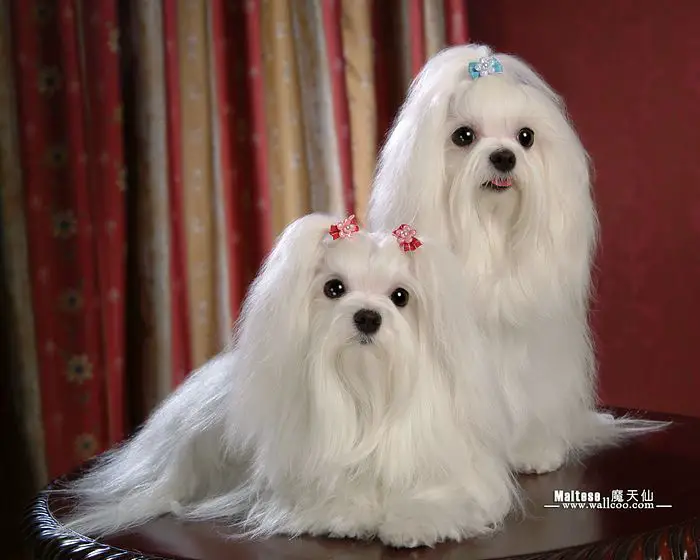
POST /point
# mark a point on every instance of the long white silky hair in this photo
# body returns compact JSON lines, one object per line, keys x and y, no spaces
{"x":527,"y":250}
{"x":305,"y":425}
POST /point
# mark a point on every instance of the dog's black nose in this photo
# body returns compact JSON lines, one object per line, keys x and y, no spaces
{"x":503,"y":160}
{"x":367,"y":321}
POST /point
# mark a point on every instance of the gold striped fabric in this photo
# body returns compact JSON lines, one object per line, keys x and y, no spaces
{"x":359,"y":77}
{"x":197,"y":179}
{"x":153,"y":202}
{"x":289,"y":178}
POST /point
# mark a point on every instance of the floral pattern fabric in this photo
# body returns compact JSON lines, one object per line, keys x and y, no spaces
{"x":150,"y":152}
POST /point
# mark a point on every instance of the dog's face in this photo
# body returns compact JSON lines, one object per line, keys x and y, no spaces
{"x":499,"y":137}
{"x":495,"y":152}
{"x":364,"y":293}
{"x":322,"y":301}
{"x":339,"y":335}
{"x":510,"y":156}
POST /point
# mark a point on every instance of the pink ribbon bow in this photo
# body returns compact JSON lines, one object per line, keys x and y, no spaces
{"x":347,"y":228}
{"x":406,"y":236}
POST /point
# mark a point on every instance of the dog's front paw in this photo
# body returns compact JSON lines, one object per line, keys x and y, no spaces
{"x":344,"y":529}
{"x":342,"y":519}
{"x":539,"y":459}
{"x":407,"y":532}
{"x":420,"y":523}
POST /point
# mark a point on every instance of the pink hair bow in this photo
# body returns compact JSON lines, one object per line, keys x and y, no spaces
{"x":406,"y":236}
{"x":347,"y":228}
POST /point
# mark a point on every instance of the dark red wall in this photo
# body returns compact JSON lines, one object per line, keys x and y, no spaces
{"x":630,"y":72}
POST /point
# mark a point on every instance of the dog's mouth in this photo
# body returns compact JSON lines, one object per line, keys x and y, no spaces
{"x":364,"y":339}
{"x":498,"y":184}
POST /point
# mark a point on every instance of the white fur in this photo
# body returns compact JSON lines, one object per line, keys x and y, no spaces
{"x":527,"y":251}
{"x":300,"y":428}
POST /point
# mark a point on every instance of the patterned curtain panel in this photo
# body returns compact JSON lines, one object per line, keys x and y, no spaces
{"x":150,"y":152}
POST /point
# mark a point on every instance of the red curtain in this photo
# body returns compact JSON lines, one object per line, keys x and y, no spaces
{"x":633,"y":95}
{"x":117,"y":295}
{"x":70,"y":125}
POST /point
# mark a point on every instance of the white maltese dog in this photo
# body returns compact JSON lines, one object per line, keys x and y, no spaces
{"x":483,"y":158}
{"x":356,"y":401}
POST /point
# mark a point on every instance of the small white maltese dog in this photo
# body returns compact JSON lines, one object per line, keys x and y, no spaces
{"x":483,"y":158}
{"x":356,"y":401}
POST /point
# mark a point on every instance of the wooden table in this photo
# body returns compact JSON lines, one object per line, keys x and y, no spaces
{"x":666,"y":464}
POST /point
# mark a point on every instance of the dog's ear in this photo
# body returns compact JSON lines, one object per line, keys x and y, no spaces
{"x":450,"y":320}
{"x":411,"y":170}
{"x":524,"y":74}
{"x":562,"y":211}
{"x":277,"y":304}
{"x":457,"y":344}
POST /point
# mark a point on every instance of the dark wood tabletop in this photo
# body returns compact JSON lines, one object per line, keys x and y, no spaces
{"x":660,"y":469}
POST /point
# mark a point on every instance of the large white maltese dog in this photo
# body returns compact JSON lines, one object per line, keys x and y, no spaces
{"x":483,"y":158}
{"x":355,"y":401}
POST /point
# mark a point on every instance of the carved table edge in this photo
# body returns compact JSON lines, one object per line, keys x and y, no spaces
{"x":52,"y":540}
{"x":679,"y":541}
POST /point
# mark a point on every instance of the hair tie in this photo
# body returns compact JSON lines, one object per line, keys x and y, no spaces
{"x":406,"y":237}
{"x":485,"y":66}
{"x":347,"y":228}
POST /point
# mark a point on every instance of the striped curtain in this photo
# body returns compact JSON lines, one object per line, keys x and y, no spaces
{"x":150,"y":152}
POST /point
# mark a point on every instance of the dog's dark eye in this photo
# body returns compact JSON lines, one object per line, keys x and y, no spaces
{"x":333,"y":289}
{"x":526,"y":137}
{"x":463,"y":136}
{"x":399,"y":297}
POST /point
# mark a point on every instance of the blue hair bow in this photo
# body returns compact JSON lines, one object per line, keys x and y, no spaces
{"x":485,"y":66}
